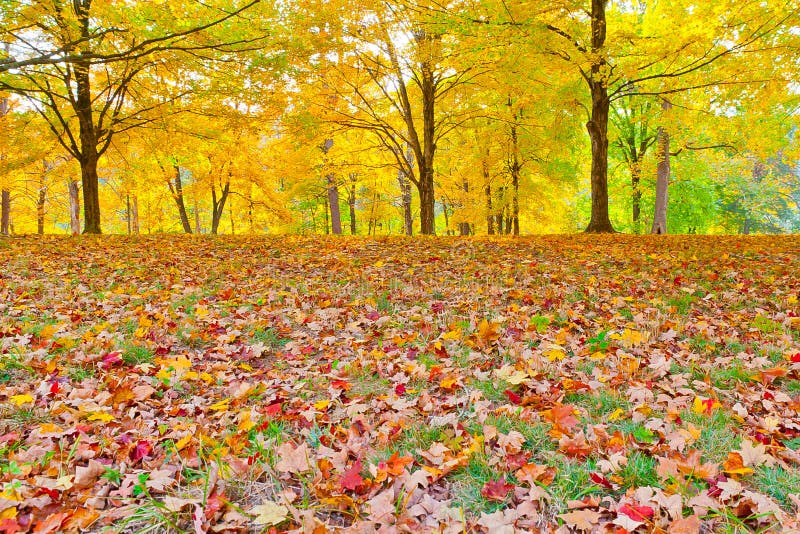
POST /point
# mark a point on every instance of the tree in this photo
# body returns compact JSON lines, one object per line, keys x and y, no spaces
{"x":85,"y":83}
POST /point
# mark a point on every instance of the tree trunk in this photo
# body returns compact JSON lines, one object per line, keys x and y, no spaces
{"x":40,"y":205}
{"x":135,"y":215}
{"x":230,"y":216}
{"x":89,"y":156}
{"x":597,"y":127}
{"x":333,"y":203}
{"x":515,"y":200}
{"x":176,"y":188}
{"x":662,"y":179}
{"x":515,"y":169}
{"x":488,"y":192}
{"x":74,"y":207}
{"x":427,"y":204}
{"x":91,"y":192}
{"x":128,"y":212}
{"x":636,"y":173}
{"x":5,"y":212}
{"x":197,"y":228}
{"x":405,"y":192}
{"x":464,"y":228}
{"x":446,"y":217}
{"x":351,"y":202}
{"x":218,"y":205}
{"x":5,"y":195}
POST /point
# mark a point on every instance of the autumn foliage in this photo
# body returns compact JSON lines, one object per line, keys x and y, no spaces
{"x":242,"y":385}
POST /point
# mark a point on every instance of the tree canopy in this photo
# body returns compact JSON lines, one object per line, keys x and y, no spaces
{"x":403,"y":116}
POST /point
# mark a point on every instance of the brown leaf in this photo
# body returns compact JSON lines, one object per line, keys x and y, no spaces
{"x":581,"y":519}
{"x":687,"y":525}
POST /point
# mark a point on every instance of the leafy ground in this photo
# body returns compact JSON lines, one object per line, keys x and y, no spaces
{"x":604,"y":384}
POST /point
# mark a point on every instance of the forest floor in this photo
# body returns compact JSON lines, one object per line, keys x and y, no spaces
{"x":574,"y":383}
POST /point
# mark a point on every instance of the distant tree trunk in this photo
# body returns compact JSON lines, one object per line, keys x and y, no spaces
{"x":489,"y":214}
{"x":218,"y":205}
{"x":5,"y":195}
{"x":333,"y":203}
{"x":74,"y":207}
{"x":40,"y":206}
{"x":464,"y":228}
{"x":405,"y":192}
{"x":446,"y":217}
{"x":197,"y":228}
{"x":351,"y":202}
{"x":176,"y":188}
{"x":128,"y":212}
{"x":488,"y":192}
{"x":598,"y":123}
{"x":135,"y":214}
{"x":5,"y":212}
{"x":230,"y":216}
{"x":515,"y":167}
{"x":333,"y":196}
{"x":662,"y":178}
{"x":636,"y":197}
{"x":325,"y":213}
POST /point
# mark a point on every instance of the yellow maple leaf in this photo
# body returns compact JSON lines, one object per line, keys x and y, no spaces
{"x":220,"y":406}
{"x":452,"y":334}
{"x":183,"y":442}
{"x":100,"y":416}
{"x":19,"y":400}
{"x":555,"y":354}
{"x":321,"y":405}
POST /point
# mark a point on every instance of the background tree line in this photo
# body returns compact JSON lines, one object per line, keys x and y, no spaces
{"x":404,"y":116}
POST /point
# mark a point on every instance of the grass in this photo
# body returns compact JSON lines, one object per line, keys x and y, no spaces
{"x":640,"y":470}
{"x":133,"y":354}
{"x":269,"y":337}
{"x":778,"y":482}
{"x":719,"y":433}
{"x":573,"y":482}
{"x":600,"y":403}
{"x":13,"y":369}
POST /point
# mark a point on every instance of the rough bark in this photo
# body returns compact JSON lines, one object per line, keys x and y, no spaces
{"x":176,"y":188}
{"x":74,"y":207}
{"x":597,"y":127}
{"x":662,"y":179}
{"x":88,"y":155}
{"x":427,"y":202}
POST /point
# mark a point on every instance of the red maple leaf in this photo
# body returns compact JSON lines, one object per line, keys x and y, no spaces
{"x":351,"y":479}
{"x":636,"y":512}
{"x":496,"y":490}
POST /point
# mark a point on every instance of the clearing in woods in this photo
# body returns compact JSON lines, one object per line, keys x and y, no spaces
{"x":245,"y":384}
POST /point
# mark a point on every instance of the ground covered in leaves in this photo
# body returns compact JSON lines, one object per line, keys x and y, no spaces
{"x":603,"y":384}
